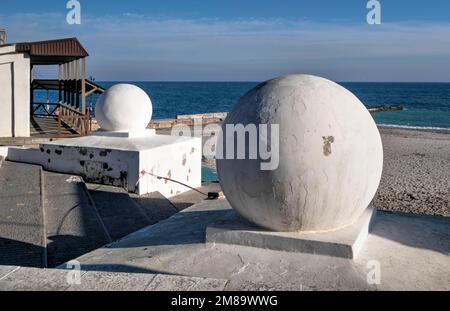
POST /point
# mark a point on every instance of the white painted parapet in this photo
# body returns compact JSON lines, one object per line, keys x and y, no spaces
{"x":131,"y":163}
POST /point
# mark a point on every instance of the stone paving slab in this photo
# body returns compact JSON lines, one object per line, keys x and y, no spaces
{"x":34,"y":279}
{"x":111,"y":281}
{"x":183,"y":283}
{"x":5,"y":270}
{"x":22,"y":238}
{"x":72,"y":223}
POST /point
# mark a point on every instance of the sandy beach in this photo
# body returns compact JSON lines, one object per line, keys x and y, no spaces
{"x":416,"y":172}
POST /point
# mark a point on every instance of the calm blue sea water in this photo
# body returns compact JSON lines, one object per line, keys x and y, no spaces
{"x":426,"y":104}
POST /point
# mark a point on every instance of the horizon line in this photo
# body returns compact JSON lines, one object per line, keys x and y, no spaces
{"x":248,"y":81}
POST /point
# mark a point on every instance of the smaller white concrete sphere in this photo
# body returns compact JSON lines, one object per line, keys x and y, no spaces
{"x":123,"y":108}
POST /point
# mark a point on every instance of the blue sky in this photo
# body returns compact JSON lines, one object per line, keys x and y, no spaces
{"x":246,"y":40}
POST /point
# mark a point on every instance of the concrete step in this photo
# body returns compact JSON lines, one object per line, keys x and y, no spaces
{"x":32,"y":279}
{"x":22,"y":238}
{"x":73,"y":225}
{"x":125,"y":213}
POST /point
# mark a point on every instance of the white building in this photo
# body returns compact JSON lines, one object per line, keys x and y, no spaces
{"x":17,"y":85}
{"x":14,"y":92}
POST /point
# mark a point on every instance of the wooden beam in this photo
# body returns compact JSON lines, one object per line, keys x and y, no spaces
{"x":92,"y":91}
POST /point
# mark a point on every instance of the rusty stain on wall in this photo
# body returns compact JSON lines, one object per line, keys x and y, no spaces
{"x":327,"y":141}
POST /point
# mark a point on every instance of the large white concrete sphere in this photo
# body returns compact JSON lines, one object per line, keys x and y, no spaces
{"x":330,"y":156}
{"x":123,"y":108}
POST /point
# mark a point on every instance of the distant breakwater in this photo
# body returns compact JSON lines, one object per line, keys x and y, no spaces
{"x":216,"y":117}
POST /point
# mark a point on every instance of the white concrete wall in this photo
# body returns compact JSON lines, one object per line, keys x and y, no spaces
{"x":14,"y":93}
{"x":105,"y":160}
{"x":179,"y":161}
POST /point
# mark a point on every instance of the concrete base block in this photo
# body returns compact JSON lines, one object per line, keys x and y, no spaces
{"x":131,"y":134}
{"x":345,"y":242}
{"x":166,"y":164}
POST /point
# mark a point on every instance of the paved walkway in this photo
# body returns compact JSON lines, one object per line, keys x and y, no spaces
{"x":32,"y":279}
{"x":73,"y":226}
{"x":22,"y":238}
{"x":49,"y":218}
{"x":412,"y":252}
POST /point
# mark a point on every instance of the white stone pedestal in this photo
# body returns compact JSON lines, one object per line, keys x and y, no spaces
{"x":345,"y":242}
{"x":131,"y":161}
{"x":128,"y":134}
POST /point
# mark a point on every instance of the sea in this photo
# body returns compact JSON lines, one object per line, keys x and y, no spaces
{"x":426,"y":105}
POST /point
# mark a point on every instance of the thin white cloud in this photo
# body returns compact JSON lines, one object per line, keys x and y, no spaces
{"x":135,"y":46}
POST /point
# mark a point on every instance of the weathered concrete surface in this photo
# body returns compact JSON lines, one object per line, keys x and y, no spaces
{"x":31,"y":279}
{"x":72,"y":223}
{"x":163,"y":282}
{"x":22,"y":238}
{"x":5,"y":270}
{"x":112,"y":281}
{"x":413,"y":252}
{"x":324,"y":164}
{"x":34,"y":279}
{"x":345,"y":242}
{"x":134,"y":163}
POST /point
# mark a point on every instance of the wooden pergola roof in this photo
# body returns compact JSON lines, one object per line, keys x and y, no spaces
{"x":52,"y":52}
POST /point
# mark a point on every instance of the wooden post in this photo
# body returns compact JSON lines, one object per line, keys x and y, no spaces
{"x":72,"y":85}
{"x":68,"y":84}
{"x":83,"y":85}
{"x":77,"y":86}
{"x":65,"y":84}
{"x":31,"y":88}
{"x":59,"y":120}
{"x":59,"y":85}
